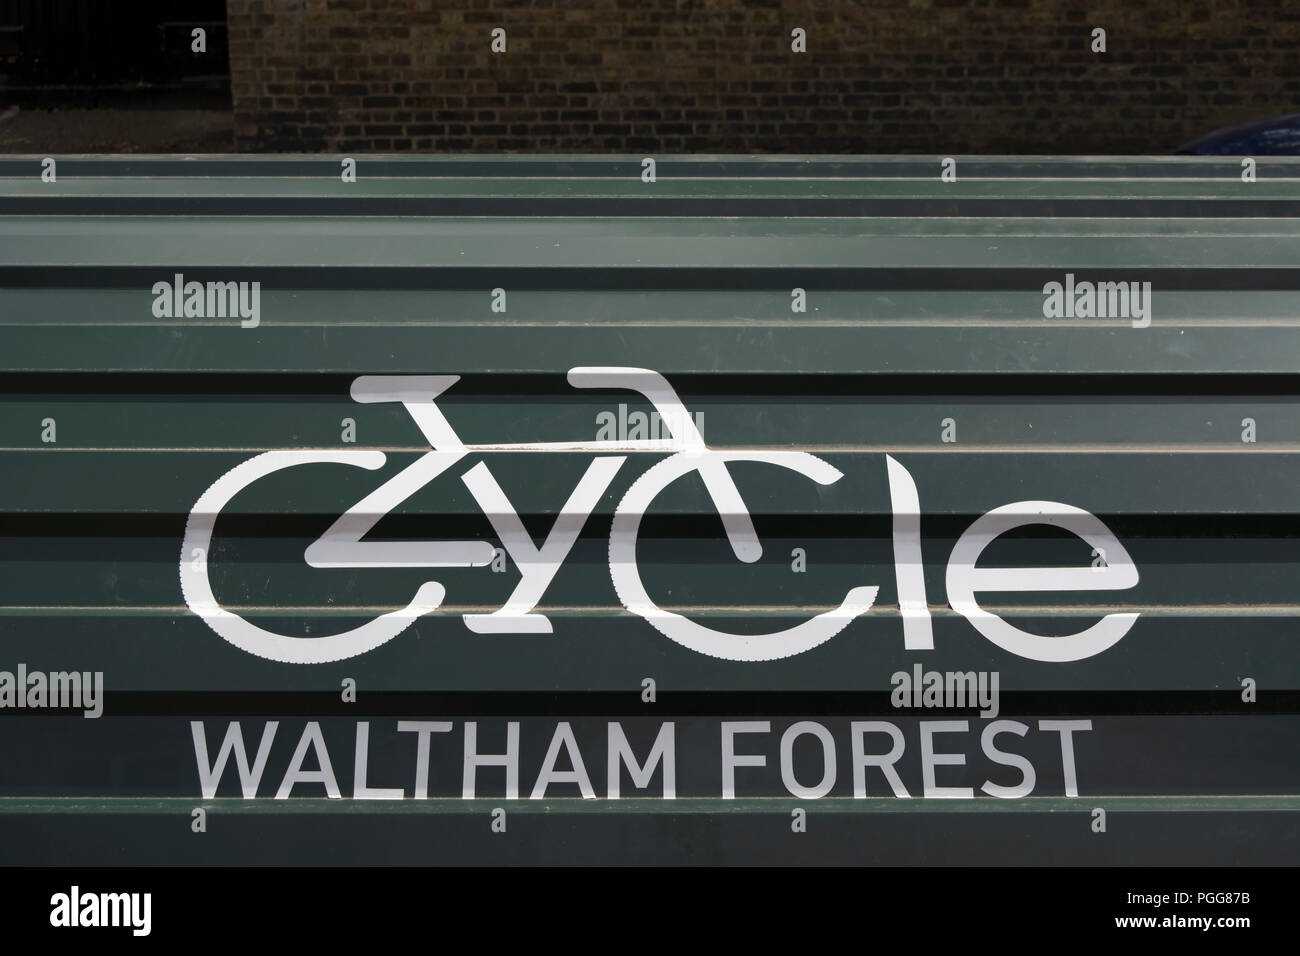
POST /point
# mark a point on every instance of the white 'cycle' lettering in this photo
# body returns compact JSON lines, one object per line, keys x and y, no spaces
{"x":342,"y":545}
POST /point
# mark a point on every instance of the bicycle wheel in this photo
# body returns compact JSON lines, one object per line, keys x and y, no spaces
{"x":676,"y":627}
{"x":197,"y":588}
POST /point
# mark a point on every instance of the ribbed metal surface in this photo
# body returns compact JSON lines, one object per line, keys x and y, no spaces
{"x":926,"y":339}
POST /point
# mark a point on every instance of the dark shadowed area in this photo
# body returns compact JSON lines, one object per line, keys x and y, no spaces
{"x":780,"y":76}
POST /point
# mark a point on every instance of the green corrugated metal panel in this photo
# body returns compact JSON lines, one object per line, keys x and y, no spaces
{"x":605,"y":197}
{"x":698,"y":165}
{"x":926,"y":354}
{"x":840,"y":833}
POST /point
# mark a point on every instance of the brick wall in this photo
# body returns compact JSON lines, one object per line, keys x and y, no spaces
{"x":879,"y":76}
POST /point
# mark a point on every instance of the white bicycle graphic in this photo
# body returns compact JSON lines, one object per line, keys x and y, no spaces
{"x":341,"y":546}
